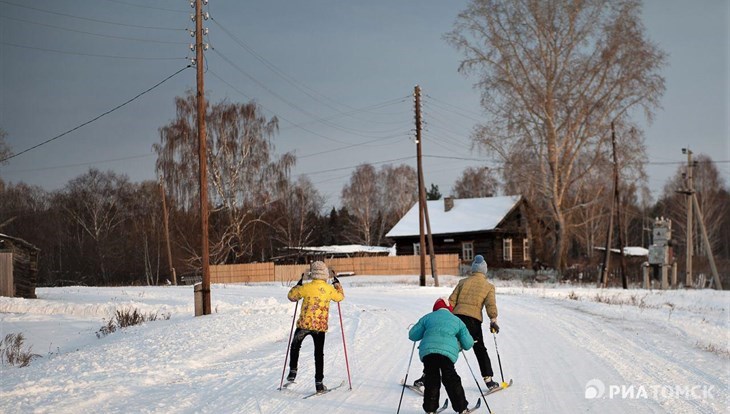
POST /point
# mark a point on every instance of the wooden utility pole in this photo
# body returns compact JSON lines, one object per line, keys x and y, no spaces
{"x":421,"y":189}
{"x":689,"y":193}
{"x":609,"y":232}
{"x":165,"y":222}
{"x":422,"y":195}
{"x":617,"y":201}
{"x":202,"y":157}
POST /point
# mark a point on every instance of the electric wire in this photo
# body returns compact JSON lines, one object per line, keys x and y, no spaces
{"x":82,"y":164}
{"x":361,"y":133}
{"x":147,"y":7}
{"x":95,"y":118}
{"x":63,"y":52}
{"x":90,"y":33}
{"x":89,"y":19}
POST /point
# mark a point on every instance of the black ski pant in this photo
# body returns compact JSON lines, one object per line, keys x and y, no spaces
{"x":296,"y":345}
{"x":480,"y":351}
{"x":439,"y":369}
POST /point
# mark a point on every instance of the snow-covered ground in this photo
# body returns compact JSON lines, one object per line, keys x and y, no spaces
{"x":569,"y":349}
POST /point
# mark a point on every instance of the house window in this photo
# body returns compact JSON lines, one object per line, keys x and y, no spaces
{"x":467,"y":251}
{"x":416,"y":249}
{"x":507,"y":250}
{"x":526,"y":250}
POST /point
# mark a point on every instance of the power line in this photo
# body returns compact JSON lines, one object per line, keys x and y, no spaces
{"x":91,"y":54}
{"x":90,"y":33}
{"x":57,"y":167}
{"x":147,"y":7}
{"x":94,"y":119}
{"x":88,"y":19}
{"x":361,"y":133}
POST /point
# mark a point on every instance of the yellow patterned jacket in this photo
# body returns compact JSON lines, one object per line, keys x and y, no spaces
{"x":317,"y":295}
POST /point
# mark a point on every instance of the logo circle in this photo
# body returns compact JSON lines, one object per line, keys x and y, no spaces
{"x":595,"y":389}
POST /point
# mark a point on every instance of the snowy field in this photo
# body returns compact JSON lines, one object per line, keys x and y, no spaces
{"x":569,"y":350}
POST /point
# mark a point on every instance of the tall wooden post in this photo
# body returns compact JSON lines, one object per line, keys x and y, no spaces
{"x":421,"y":189}
{"x":202,"y":157}
{"x":690,"y":232}
{"x":617,"y":202}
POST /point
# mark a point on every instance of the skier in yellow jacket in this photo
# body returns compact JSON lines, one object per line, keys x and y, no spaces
{"x":468,"y":298}
{"x":314,"y":318}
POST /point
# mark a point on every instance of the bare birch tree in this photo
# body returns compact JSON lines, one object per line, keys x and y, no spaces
{"x":295,"y":211}
{"x":360,"y":197}
{"x":553,"y":76}
{"x":95,"y":203}
{"x":475,"y":182}
{"x":397,"y":193}
{"x":242,"y":170}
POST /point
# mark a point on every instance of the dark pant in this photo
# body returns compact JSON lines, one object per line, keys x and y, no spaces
{"x":480,"y":351}
{"x":439,"y":369}
{"x":296,"y":345}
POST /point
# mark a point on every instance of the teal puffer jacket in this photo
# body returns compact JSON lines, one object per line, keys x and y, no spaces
{"x":440,"y":332}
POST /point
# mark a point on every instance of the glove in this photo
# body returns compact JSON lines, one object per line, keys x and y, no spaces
{"x":494,"y":327}
{"x":335,"y":280}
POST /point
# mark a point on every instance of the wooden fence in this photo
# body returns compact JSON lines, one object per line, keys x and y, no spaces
{"x":446,"y":264}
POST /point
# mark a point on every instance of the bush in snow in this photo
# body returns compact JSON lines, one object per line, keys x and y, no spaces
{"x":12,"y":352}
{"x":127,"y":317}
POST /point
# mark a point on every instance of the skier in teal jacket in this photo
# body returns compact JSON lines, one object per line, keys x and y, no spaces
{"x":442,"y":337}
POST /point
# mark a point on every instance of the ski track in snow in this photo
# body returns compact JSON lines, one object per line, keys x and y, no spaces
{"x":232,"y":361}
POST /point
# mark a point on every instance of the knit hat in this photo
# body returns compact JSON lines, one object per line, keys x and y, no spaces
{"x":479,"y":265}
{"x":319,"y":271}
{"x":442,"y":303}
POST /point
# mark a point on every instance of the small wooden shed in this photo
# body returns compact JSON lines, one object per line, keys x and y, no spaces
{"x":18,"y":267}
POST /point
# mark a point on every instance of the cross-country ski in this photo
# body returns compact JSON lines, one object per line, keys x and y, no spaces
{"x":325,"y":391}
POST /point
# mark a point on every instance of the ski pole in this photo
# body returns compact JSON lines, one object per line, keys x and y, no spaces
{"x":498,"y":358}
{"x":476,"y":381}
{"x":342,"y":329}
{"x":288,"y":344}
{"x":405,"y":381}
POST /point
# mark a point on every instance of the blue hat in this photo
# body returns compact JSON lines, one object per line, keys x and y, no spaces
{"x":479,"y":265}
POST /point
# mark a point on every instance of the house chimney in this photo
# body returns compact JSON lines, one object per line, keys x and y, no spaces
{"x":448,"y":203}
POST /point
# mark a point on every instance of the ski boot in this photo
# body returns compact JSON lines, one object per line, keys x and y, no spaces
{"x":292,"y":375}
{"x":491,"y":384}
{"x":320,"y":387}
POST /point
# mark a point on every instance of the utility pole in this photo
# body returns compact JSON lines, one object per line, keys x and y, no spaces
{"x":165,"y":221}
{"x":421,"y":189}
{"x":693,"y":204}
{"x":689,"y":193}
{"x":423,"y":203}
{"x":617,"y":201}
{"x":202,"y":154}
{"x":609,"y":232}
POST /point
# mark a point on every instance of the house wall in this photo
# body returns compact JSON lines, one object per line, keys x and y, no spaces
{"x":6,"y":274}
{"x":25,"y":266}
{"x":488,"y":244}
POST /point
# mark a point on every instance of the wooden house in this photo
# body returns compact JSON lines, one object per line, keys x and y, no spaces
{"x":18,"y":267}
{"x":495,"y":227}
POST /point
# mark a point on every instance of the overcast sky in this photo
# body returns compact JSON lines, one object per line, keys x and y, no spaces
{"x":338,"y":74}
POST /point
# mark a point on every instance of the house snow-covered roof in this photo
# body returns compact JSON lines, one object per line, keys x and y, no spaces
{"x":467,"y":215}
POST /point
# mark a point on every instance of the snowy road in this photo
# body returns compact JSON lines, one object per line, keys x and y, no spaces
{"x":638,"y":359}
